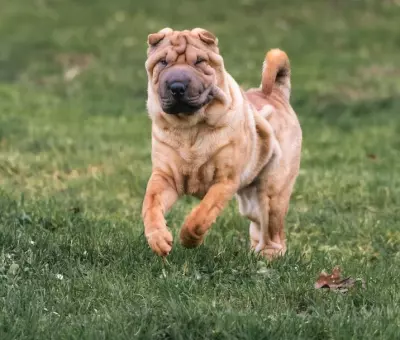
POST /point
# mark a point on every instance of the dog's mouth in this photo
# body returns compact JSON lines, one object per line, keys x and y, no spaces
{"x":186,"y":105}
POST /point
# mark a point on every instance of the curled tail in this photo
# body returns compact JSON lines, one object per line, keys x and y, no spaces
{"x":276,"y":72}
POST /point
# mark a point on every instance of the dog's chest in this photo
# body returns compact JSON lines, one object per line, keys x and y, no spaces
{"x":195,"y":157}
{"x":197,"y":171}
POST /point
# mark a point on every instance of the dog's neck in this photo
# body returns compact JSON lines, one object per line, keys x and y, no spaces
{"x":221,"y":112}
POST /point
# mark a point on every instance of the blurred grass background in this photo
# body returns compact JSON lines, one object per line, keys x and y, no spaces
{"x":75,"y":159}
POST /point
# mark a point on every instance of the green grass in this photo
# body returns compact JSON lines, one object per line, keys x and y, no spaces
{"x":75,"y":159}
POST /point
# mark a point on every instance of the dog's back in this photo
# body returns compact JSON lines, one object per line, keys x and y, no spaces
{"x":272,"y":101}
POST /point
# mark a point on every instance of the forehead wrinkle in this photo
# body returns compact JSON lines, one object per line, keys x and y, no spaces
{"x":195,"y":41}
{"x":172,"y":55}
{"x":174,"y":38}
{"x":183,"y":44}
{"x":178,"y":45}
{"x":191,"y":53}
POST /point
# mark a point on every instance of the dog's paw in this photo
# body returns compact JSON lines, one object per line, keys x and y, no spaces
{"x":253,"y":244}
{"x":160,"y":241}
{"x":272,"y":252}
{"x":190,"y":238}
{"x":254,"y":236}
{"x":194,"y":228}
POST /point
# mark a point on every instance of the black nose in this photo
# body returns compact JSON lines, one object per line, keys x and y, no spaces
{"x":177,"y":89}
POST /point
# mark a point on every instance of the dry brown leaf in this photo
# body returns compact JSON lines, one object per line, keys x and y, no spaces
{"x":335,"y":282}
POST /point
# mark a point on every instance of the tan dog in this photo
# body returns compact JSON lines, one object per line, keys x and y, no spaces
{"x":213,"y":141}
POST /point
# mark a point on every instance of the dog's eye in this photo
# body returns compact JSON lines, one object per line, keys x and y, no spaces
{"x":163,"y":62}
{"x":199,"y":61}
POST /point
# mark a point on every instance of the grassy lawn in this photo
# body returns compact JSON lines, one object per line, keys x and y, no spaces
{"x":75,"y":159}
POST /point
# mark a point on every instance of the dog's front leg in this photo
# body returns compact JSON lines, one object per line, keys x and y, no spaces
{"x":204,"y":215}
{"x":159,"y":198}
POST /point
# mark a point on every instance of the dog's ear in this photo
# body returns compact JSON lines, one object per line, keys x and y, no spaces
{"x":206,"y":36}
{"x":154,"y":38}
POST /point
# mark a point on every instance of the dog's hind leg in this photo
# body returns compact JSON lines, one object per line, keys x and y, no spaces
{"x":255,"y":204}
{"x":278,"y":208}
{"x":256,"y":208}
{"x":254,"y":232}
{"x":276,"y":228}
{"x":263,"y":204}
{"x":249,"y":207}
{"x":267,"y":236}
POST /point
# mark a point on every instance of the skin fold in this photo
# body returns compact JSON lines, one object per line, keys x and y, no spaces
{"x":212,"y":140}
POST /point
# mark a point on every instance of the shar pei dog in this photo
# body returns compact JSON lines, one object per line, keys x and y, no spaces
{"x":212,"y":140}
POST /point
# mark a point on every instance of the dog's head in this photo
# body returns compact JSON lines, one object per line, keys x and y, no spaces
{"x":185,"y":72}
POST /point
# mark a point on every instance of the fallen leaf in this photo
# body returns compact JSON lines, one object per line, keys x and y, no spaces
{"x":325,"y":280}
{"x":335,"y":282}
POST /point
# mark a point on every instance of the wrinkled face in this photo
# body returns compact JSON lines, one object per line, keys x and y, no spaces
{"x":184,"y":69}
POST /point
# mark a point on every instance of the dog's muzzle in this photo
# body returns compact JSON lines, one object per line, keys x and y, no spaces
{"x":181,"y":92}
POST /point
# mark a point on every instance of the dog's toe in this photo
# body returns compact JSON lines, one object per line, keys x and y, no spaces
{"x":160,"y":241}
{"x":190,"y":239}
